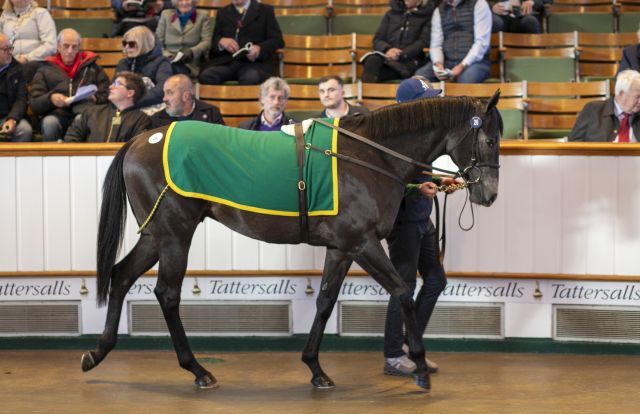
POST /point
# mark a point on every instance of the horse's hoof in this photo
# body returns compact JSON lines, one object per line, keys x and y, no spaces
{"x":323,"y":383}
{"x":422,"y":381}
{"x":88,"y":362}
{"x":207,"y":381}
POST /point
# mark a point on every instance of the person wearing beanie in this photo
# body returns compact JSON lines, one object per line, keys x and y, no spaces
{"x":413,"y":247}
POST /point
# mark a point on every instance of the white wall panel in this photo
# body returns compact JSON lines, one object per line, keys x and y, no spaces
{"x":197,"y":253}
{"x":527,"y":320}
{"x":29,"y":190}
{"x":246,"y":253}
{"x":518,"y":179}
{"x":627,"y":228}
{"x":273,"y":256}
{"x":219,"y":246}
{"x":491,"y":232}
{"x":84,"y":208}
{"x":8,"y":217}
{"x":575,"y":218}
{"x":603,"y":207}
{"x":300,"y":256}
{"x":547,"y":214}
{"x":57,"y":213}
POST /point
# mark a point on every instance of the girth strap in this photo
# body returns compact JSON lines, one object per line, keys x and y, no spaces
{"x":302,"y":186}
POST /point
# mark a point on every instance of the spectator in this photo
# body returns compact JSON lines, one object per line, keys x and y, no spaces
{"x":631,"y":57}
{"x":517,"y":16}
{"x":460,"y":40}
{"x":184,"y":31}
{"x":615,"y":119}
{"x":13,"y":96}
{"x":181,"y":104}
{"x":31,"y":32}
{"x":58,"y":78}
{"x":138,"y":44}
{"x":274,"y":93}
{"x":330,"y":89}
{"x":116,"y":121}
{"x":239,"y":24}
{"x":132,"y":13}
{"x":402,"y":36}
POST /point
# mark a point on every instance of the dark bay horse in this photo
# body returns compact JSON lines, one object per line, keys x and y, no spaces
{"x":422,"y":130}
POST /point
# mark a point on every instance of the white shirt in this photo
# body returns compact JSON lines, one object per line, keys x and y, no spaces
{"x":481,"y":34}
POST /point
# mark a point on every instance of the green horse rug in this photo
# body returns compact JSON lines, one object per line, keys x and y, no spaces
{"x":251,"y":170}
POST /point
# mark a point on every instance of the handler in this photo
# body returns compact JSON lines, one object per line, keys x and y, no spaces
{"x":413,"y":247}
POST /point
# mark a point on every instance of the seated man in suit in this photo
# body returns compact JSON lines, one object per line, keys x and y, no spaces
{"x":274,"y":94}
{"x":330,"y":89}
{"x":238,"y":24}
{"x":13,"y":96}
{"x":181,"y":104}
{"x":615,"y":119}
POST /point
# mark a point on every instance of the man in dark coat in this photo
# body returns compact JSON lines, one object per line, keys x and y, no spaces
{"x":630,"y":58}
{"x":615,"y":119}
{"x":402,"y":36}
{"x":59,"y":78}
{"x":517,"y":16}
{"x":274,"y":94}
{"x":117,"y":121}
{"x":239,"y":24}
{"x":181,"y":104}
{"x":13,"y":96}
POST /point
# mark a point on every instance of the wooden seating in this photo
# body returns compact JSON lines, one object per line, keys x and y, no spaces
{"x":363,"y":23}
{"x":376,"y":95}
{"x":108,"y":49}
{"x":538,"y":57}
{"x":511,"y":104}
{"x":552,"y":107}
{"x":596,"y":16}
{"x":627,"y":15}
{"x":360,"y":7}
{"x":236,"y":102}
{"x":299,"y":7}
{"x":307,"y":58}
{"x":212,"y":6}
{"x":81,"y":9}
{"x":600,"y":53}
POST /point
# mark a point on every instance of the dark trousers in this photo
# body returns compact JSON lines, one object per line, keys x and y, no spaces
{"x":376,"y":70}
{"x":246,"y":73}
{"x":413,"y":247}
{"x":520,"y":24}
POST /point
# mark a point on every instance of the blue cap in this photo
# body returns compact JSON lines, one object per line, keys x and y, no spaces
{"x":411,"y":89}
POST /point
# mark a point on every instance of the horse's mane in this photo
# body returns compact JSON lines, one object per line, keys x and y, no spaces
{"x":418,"y":115}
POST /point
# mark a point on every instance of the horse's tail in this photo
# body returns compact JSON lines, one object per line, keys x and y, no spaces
{"x":113,"y":215}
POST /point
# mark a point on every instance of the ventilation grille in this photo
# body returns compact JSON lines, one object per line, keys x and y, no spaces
{"x":219,"y":318}
{"x":52,"y":318}
{"x":450,"y":319}
{"x":597,"y":323}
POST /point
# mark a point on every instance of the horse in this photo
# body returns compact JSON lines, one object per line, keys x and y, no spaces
{"x":371,"y":179}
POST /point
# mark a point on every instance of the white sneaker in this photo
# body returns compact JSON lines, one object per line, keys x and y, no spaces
{"x":401,"y":366}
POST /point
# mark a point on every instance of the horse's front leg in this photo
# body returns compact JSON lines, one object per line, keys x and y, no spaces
{"x":336,"y":265}
{"x":374,"y":261}
{"x":125,"y":273}
{"x":173,"y":265}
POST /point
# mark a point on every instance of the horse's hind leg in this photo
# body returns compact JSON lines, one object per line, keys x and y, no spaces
{"x":336,"y":266}
{"x":140,"y":259}
{"x":173,"y":265}
{"x":375,"y":262}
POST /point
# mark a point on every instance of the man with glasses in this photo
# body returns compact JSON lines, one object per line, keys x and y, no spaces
{"x":274,"y":95}
{"x":59,"y":78}
{"x":117,"y":121}
{"x":13,"y":96}
{"x":245,"y":38}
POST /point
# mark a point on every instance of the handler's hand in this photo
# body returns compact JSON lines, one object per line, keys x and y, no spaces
{"x":428,"y":189}
{"x":450,"y":181}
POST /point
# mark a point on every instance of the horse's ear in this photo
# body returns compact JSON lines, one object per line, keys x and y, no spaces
{"x":493,"y":101}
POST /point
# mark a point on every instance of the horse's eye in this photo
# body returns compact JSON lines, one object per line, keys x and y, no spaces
{"x":490,"y":143}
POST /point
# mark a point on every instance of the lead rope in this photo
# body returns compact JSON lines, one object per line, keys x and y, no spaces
{"x":153,"y":210}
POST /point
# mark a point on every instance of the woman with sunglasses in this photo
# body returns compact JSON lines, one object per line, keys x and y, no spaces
{"x":138,"y":45}
{"x":31,"y":32}
{"x":185,"y":36}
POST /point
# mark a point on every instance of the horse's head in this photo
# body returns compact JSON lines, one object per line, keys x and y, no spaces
{"x":476,"y":153}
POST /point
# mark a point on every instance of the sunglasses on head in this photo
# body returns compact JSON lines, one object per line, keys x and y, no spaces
{"x":129,"y":43}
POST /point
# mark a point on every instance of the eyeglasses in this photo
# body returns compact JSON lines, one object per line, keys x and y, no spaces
{"x":7,"y":49}
{"x":116,"y":83}
{"x":130,"y":44}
